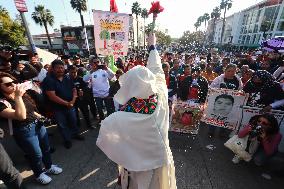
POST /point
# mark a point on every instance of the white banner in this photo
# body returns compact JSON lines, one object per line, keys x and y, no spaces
{"x":111,"y":33}
{"x":222,"y":107}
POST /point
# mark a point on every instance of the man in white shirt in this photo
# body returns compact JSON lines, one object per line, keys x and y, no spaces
{"x":99,"y":79}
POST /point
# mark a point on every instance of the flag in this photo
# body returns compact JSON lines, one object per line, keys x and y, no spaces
{"x":113,"y":7}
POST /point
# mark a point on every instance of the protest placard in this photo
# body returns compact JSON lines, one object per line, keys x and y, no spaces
{"x":185,"y":117}
{"x":222,"y":107}
{"x":111,"y":33}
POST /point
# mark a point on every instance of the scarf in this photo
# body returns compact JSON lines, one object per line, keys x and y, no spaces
{"x":142,"y":106}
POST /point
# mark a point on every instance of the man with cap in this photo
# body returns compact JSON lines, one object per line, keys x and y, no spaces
{"x":77,"y":61}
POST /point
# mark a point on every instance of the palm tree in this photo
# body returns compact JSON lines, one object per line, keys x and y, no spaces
{"x":215,"y":14}
{"x":206,"y":18}
{"x":43,"y":17}
{"x":197,"y":24}
{"x":226,"y":5}
{"x":136,"y":9}
{"x":79,"y":6}
{"x":144,"y":15}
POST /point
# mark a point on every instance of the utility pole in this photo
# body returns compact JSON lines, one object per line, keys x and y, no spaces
{"x":22,"y":8}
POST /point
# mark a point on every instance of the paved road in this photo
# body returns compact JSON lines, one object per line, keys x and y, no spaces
{"x":197,"y":167}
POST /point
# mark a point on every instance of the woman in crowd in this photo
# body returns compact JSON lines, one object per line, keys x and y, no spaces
{"x":229,"y":79}
{"x":265,"y":129}
{"x":29,"y":132}
{"x":246,"y":76}
{"x":263,"y":90}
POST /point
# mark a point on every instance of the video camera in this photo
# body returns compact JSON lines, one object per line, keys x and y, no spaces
{"x":16,"y":56}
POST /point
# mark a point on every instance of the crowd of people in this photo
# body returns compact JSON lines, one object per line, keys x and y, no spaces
{"x":32,"y":93}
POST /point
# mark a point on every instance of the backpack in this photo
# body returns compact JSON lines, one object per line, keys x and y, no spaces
{"x":10,"y":125}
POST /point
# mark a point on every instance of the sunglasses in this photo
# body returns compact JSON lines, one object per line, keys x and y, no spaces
{"x":9,"y":84}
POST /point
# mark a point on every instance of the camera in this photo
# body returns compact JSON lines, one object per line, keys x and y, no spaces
{"x":256,"y":131}
{"x":43,"y":121}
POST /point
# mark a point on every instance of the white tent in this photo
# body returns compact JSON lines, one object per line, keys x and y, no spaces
{"x":45,"y":56}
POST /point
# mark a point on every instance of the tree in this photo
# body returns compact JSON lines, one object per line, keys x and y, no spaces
{"x":136,"y":9}
{"x":225,"y":5}
{"x":144,"y":15}
{"x":43,"y":17}
{"x":149,"y":28}
{"x":206,"y":18}
{"x":79,"y":6}
{"x":197,"y":25}
{"x":163,"y":38}
{"x":11,"y":31}
{"x":215,"y":14}
{"x":191,"y":40}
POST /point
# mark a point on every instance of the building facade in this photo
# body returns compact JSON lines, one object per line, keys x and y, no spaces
{"x":41,"y":41}
{"x":249,"y":27}
{"x":74,"y":40}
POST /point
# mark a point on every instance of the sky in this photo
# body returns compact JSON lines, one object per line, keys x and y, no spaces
{"x":178,"y":16}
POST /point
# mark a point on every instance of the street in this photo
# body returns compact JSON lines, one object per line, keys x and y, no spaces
{"x":201,"y":163}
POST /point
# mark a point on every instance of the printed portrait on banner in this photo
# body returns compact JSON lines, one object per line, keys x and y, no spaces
{"x":222,"y":107}
{"x":248,"y":112}
{"x":111,"y":33}
{"x":185,"y":117}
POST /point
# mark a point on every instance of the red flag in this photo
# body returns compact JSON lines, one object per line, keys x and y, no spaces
{"x":113,"y":7}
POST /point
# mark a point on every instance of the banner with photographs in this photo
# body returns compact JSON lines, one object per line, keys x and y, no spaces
{"x":222,"y":107}
{"x":248,"y":112}
{"x":185,"y":117}
{"x":111,"y":33}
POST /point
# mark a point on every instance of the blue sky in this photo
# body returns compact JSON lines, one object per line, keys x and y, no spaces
{"x":179,"y":15}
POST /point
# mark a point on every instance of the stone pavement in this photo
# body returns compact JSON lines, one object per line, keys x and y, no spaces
{"x":198,"y":166}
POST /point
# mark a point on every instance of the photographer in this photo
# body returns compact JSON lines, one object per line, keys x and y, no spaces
{"x":265,"y":127}
{"x":12,"y":62}
{"x":29,"y":131}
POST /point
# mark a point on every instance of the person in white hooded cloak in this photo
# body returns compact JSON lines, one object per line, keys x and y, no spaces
{"x":136,"y":137}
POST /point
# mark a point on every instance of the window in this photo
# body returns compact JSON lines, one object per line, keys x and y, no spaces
{"x":247,"y":39}
{"x":280,"y":26}
{"x":253,"y":39}
{"x":44,"y":42}
{"x":255,"y":30}
{"x":269,"y":18}
{"x":256,"y":41}
{"x":258,"y":15}
{"x":282,"y":14}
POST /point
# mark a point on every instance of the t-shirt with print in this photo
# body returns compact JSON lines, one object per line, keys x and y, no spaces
{"x":100,"y":82}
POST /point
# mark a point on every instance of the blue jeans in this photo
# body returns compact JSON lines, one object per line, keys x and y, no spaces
{"x":66,"y":122}
{"x":33,"y":140}
{"x":100,"y":105}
